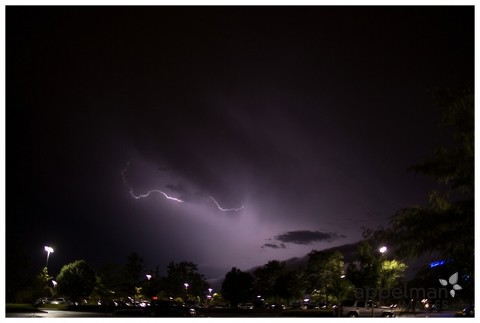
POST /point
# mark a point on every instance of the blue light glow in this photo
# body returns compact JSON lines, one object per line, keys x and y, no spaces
{"x":437,"y":263}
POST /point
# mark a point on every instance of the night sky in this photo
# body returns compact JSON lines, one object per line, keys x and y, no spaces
{"x":261,"y":133}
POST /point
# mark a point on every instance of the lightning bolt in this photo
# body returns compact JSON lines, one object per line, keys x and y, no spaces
{"x":222,"y":209}
{"x":130,"y":189}
{"x":141,"y":196}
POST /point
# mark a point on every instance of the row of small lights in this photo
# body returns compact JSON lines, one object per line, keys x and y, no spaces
{"x":50,"y":250}
{"x":185,"y":284}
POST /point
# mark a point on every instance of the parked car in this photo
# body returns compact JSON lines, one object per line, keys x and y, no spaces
{"x":362,"y":308}
{"x":163,"y":308}
{"x":42,"y":301}
{"x":60,"y":300}
{"x":275,"y":306}
{"x":246,"y":306}
{"x":112,"y":302}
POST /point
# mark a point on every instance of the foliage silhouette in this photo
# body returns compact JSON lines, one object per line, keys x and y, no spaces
{"x":76,"y":280}
{"x":446,"y":224}
{"x":237,"y":287}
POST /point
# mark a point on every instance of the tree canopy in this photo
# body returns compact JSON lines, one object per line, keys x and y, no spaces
{"x":185,"y":272}
{"x":76,"y":280}
{"x":326,"y":276}
{"x":237,"y":286}
{"x":446,"y":224}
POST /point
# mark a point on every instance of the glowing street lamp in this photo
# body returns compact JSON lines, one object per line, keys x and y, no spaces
{"x":383,"y":250}
{"x":49,"y":250}
{"x":209,"y":296}
{"x":149,"y":276}
{"x":186,"y":290}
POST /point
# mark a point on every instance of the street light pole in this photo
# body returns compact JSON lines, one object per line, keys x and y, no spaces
{"x":209,"y":296}
{"x":186,"y":290}
{"x":49,"y":250}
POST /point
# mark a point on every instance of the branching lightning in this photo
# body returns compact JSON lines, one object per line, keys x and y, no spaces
{"x":155,"y":191}
{"x":130,"y":189}
{"x":222,"y":209}
{"x":149,"y":192}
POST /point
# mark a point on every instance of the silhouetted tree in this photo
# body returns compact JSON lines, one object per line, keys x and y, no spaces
{"x":446,"y":224}
{"x":325,"y":274}
{"x":372,"y":269}
{"x":152,"y":287}
{"x":132,"y":271}
{"x":41,"y":287}
{"x":265,"y":279}
{"x":18,"y":267}
{"x":237,"y":287}
{"x":391,"y":273}
{"x":109,"y":282}
{"x":76,"y":280}
{"x":290,"y":285}
{"x":366,"y":272}
{"x":181,"y":273}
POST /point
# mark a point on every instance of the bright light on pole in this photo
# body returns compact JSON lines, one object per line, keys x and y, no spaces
{"x":383,"y":250}
{"x":49,"y":250}
{"x":149,"y":276}
{"x":210,"y":291}
{"x":186,"y":290}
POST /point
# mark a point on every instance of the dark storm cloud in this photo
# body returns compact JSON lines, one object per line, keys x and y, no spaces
{"x":274,"y":246}
{"x":304,"y":237}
